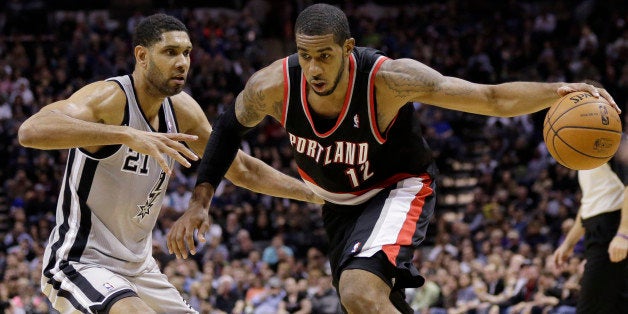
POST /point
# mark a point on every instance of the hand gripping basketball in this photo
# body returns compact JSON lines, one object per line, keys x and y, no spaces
{"x":582,"y":131}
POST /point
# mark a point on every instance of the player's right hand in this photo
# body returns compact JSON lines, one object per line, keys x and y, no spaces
{"x":595,"y":91}
{"x":561,"y":255}
{"x":618,"y":249}
{"x":157,"y":144}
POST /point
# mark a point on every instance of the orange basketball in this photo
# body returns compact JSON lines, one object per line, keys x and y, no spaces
{"x":581,"y":131}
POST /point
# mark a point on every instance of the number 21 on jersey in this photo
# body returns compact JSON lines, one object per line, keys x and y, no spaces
{"x":135,"y":162}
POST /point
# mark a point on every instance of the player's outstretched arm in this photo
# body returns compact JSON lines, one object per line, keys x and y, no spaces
{"x":247,"y":172}
{"x":407,"y":80}
{"x":91,"y":118}
{"x":261,"y":96}
{"x":255,"y":175}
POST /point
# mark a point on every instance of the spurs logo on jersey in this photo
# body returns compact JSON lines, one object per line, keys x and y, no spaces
{"x":155,"y":192}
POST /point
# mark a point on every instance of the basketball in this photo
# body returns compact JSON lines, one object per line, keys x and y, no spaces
{"x":582,"y":132}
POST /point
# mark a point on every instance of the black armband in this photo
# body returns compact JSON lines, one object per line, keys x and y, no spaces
{"x":221,"y":148}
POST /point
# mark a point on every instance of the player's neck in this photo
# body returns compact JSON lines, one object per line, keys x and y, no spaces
{"x":148,"y":101}
{"x":326,"y":106}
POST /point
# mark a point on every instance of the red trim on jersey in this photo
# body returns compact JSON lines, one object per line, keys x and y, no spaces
{"x":396,"y":178}
{"x":373,"y":117}
{"x":345,"y":106}
{"x":305,"y":176}
{"x":409,"y":225}
{"x":286,"y":92}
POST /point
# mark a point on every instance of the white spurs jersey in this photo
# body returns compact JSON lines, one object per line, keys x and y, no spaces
{"x":110,"y":200}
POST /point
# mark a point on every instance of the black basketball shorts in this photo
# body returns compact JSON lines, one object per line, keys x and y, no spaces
{"x":393,"y":222}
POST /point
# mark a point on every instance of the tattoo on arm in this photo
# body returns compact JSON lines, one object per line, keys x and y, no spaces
{"x":250,"y":107}
{"x":278,"y":109}
{"x":406,"y":81}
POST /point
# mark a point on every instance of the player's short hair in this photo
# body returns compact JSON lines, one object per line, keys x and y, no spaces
{"x":150,"y":29}
{"x":323,"y":19}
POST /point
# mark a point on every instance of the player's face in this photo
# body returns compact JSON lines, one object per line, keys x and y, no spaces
{"x":322,"y":61}
{"x":169,"y":63}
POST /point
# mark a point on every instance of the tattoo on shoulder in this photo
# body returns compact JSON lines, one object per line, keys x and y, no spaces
{"x":277,"y":109}
{"x":253,"y":107}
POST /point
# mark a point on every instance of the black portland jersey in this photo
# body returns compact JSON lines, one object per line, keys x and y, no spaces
{"x":352,"y":161}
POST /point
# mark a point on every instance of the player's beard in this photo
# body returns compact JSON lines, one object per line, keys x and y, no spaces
{"x":336,"y":81}
{"x":160,"y":82}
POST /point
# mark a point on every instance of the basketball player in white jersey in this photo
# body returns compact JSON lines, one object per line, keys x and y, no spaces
{"x":124,"y":135}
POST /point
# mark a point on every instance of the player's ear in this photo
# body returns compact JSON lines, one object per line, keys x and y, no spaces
{"x":348,"y":47}
{"x":141,"y":54}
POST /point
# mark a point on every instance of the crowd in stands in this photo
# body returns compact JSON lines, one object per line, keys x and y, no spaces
{"x":267,"y":255}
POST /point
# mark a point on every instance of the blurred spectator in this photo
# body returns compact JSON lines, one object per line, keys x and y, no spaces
{"x":267,"y":302}
{"x":296,"y":300}
{"x":179,"y":198}
{"x":276,"y":251}
{"x":226,"y":294}
{"x":426,"y":296}
{"x":325,"y":299}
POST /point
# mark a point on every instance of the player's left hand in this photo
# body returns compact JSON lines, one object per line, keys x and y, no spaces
{"x":584,"y":87}
{"x":618,"y":249}
{"x":180,"y":237}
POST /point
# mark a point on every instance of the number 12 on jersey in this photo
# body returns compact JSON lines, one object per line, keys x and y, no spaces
{"x":360,"y":175}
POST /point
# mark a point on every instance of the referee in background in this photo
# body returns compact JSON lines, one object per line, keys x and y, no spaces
{"x":603,"y":220}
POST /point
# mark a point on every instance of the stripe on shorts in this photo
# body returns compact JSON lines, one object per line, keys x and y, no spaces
{"x":397,"y":221}
{"x":73,"y":233}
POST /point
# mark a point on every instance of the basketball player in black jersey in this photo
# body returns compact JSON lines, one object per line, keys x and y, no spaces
{"x":346,"y":112}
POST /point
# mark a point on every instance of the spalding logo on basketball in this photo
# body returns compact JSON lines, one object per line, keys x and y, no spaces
{"x":581,"y":131}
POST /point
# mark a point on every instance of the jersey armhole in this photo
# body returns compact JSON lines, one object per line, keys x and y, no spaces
{"x":286,"y":92}
{"x":176,"y":121}
{"x":108,"y":150}
{"x":381,"y":138}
